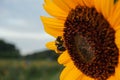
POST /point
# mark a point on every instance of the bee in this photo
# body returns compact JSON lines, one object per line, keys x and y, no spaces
{"x":60,"y":44}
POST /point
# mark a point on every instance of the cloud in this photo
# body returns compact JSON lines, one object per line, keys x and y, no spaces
{"x":21,"y":25}
{"x":17,"y":22}
{"x":27,"y":42}
{"x":22,"y":35}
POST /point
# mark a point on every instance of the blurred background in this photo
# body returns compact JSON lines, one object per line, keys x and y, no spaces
{"x":23,"y":55}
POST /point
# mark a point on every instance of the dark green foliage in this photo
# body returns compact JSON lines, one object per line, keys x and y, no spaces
{"x":36,"y":70}
{"x":43,"y":55}
{"x":8,"y":51}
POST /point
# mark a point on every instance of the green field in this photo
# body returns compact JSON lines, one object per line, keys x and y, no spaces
{"x":29,"y":70}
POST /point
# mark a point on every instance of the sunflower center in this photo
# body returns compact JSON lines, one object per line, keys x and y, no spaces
{"x":90,"y":41}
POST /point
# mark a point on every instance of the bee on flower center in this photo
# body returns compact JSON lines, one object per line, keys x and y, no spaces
{"x":60,"y":44}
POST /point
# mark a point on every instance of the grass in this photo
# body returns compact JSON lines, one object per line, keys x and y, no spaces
{"x":29,"y":70}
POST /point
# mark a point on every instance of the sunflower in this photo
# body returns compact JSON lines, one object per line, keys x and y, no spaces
{"x":87,"y":36}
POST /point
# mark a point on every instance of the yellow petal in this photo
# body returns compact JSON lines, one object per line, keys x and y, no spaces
{"x":54,"y":10}
{"x":70,"y":73}
{"x":51,"y":45}
{"x":116,"y":28}
{"x":89,"y":3}
{"x":64,"y":58}
{"x":71,"y":3}
{"x":97,"y":4}
{"x":80,"y":2}
{"x":104,"y":7}
{"x":112,"y":78}
{"x":53,"y":26}
{"x":117,"y":72}
{"x":66,"y":70}
{"x":53,"y":21}
{"x":61,"y":4}
{"x":80,"y":77}
{"x":117,"y":38}
{"x":74,"y":74}
{"x":85,"y":77}
{"x":115,"y":15}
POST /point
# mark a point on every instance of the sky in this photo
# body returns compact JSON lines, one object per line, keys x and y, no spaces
{"x":20,"y":24}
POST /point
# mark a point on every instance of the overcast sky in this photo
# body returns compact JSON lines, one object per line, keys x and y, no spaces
{"x":20,"y":24}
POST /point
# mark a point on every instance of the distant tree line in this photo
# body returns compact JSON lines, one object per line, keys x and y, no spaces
{"x":47,"y":54}
{"x":9,"y":51}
